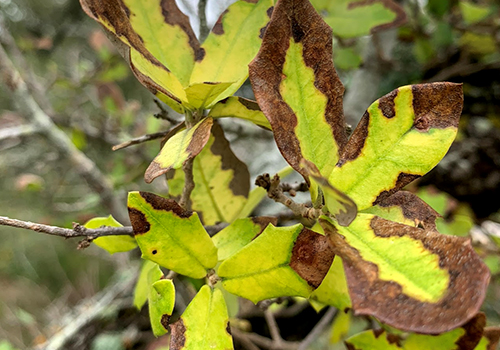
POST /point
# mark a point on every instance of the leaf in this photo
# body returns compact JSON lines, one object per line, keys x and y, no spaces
{"x":180,"y":148}
{"x":112,"y":244}
{"x":150,"y":272}
{"x":406,"y":208}
{"x":232,"y":44}
{"x":161,"y":305}
{"x":203,"y":95}
{"x":222,"y":181}
{"x":352,"y":18}
{"x":241,"y":232}
{"x":340,"y":327}
{"x":347,"y":58}
{"x":204,"y":324}
{"x":297,"y":87}
{"x":401,"y":137}
{"x":239,"y":107}
{"x":338,"y":204}
{"x":373,"y":340}
{"x":282,"y":261}
{"x":405,"y":275}
{"x":154,"y":75}
{"x":473,"y":13}
{"x":170,"y":236}
{"x":490,"y":339}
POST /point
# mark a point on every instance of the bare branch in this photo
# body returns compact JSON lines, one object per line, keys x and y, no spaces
{"x":141,"y":139}
{"x":318,"y":329}
{"x":273,"y":329}
{"x":292,"y":189}
{"x":17,"y":131}
{"x":164,"y":113}
{"x":202,"y":14}
{"x":185,"y":200}
{"x":275,"y":192}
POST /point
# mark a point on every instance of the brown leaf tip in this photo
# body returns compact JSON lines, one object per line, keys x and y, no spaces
{"x":312,"y":256}
{"x":178,"y":337}
{"x":164,"y":320}
{"x":139,"y":222}
{"x":160,"y":203}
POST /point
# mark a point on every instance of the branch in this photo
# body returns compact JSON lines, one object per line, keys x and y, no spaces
{"x":318,"y":329}
{"x":273,"y":329}
{"x":17,"y":131}
{"x":275,"y":192}
{"x":141,"y":139}
{"x":185,"y":200}
{"x":202,"y":14}
{"x":164,"y":113}
{"x":80,"y":162}
{"x":294,"y":188}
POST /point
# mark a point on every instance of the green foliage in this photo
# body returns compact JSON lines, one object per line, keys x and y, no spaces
{"x":112,"y":244}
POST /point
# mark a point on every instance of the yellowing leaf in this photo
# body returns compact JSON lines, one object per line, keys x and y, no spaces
{"x":297,"y":87}
{"x":150,"y":273}
{"x":161,"y":305}
{"x":171,"y":236}
{"x":401,"y":137}
{"x":204,"y":324}
{"x":180,"y":148}
{"x":112,"y":244}
{"x":282,"y":261}
{"x":473,"y":13}
{"x":373,"y":340}
{"x":239,"y":107}
{"x":202,"y":95}
{"x":340,"y":326}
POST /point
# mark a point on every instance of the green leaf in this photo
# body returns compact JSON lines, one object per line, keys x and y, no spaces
{"x":204,"y":324}
{"x":222,"y":181}
{"x":490,"y":339}
{"x":112,"y":244}
{"x":203,"y":95}
{"x":150,"y":272}
{"x":180,"y":148}
{"x":239,"y":234}
{"x":478,"y":44}
{"x":340,"y":327}
{"x":171,"y":236}
{"x":438,"y":7}
{"x":405,"y":275}
{"x":282,"y":261}
{"x":347,"y":58}
{"x":161,"y":305}
{"x":352,"y":18}
{"x":373,"y":340}
{"x":401,"y":137}
{"x":232,"y":44}
{"x":239,"y":107}
{"x":473,"y":13}
{"x":297,"y":87}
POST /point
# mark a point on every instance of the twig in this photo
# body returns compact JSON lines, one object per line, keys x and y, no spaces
{"x":141,"y":139}
{"x":318,"y":329}
{"x":243,"y":339}
{"x":461,"y":69}
{"x":269,"y":344}
{"x":202,"y":14}
{"x":273,"y":328}
{"x":80,"y":162}
{"x":17,"y":131}
{"x":185,"y":200}
{"x":275,"y":192}
{"x":164,"y":113}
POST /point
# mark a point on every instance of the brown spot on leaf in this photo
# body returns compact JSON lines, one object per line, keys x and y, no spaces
{"x":178,"y":336}
{"x":218,"y":27}
{"x":164,"y":320}
{"x":422,"y":123}
{"x":357,"y":141}
{"x":402,"y":180}
{"x":312,"y":256}
{"x":296,"y":19}
{"x":385,"y":300}
{"x":270,"y":11}
{"x":199,"y":54}
{"x":413,"y":208}
{"x":263,"y":222}
{"x":175,"y":17}
{"x":493,"y":335}
{"x":249,"y":104}
{"x":160,"y":203}
{"x":228,"y":328}
{"x":139,"y":222}
{"x":391,"y":5}
{"x":473,"y":333}
{"x":391,"y":338}
{"x":387,"y":105}
{"x":240,"y":183}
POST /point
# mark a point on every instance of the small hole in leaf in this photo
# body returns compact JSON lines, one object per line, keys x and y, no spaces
{"x":154,"y":252}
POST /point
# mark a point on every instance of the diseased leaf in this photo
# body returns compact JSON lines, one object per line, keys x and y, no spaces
{"x":152,"y":73}
{"x":401,"y":137}
{"x":150,"y":273}
{"x":282,"y":261}
{"x":180,"y":148}
{"x":297,"y":87}
{"x":405,"y":275}
{"x":204,"y":324}
{"x":232,"y":44}
{"x":338,"y":204}
{"x":203,"y":95}
{"x":112,"y":244}
{"x":239,"y":234}
{"x":352,"y":18}
{"x":161,"y":305}
{"x":222,"y":181}
{"x":239,"y":107}
{"x":373,"y":340}
{"x":490,"y":339}
{"x":170,"y":236}
{"x":406,"y":208}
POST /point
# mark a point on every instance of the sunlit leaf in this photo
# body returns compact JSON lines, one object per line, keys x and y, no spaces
{"x":340,"y":326}
{"x":180,"y":148}
{"x":297,"y":87}
{"x":401,"y":137}
{"x":170,"y":236}
{"x":150,"y":273}
{"x":239,"y":107}
{"x":239,"y":234}
{"x":373,"y":340}
{"x":161,"y":305}
{"x":202,"y":95}
{"x":282,"y":261}
{"x":204,"y":324}
{"x":405,"y":275}
{"x":352,"y":18}
{"x":112,"y":244}
{"x":232,"y":44}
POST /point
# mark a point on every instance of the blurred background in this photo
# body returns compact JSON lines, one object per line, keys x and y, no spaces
{"x":87,"y":89}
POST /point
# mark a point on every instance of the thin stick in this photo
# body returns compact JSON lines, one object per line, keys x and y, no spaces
{"x":141,"y":139}
{"x":185,"y":200}
{"x":318,"y":329}
{"x":273,"y":328}
{"x":17,"y":131}
{"x":202,"y":14}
